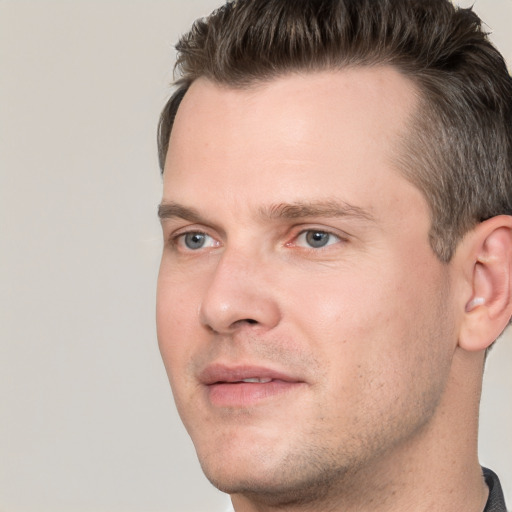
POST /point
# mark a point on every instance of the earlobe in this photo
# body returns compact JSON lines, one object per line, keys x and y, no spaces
{"x":488,"y":254}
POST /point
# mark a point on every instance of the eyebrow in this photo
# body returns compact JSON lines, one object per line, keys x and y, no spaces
{"x":325,"y":208}
{"x":171,"y":210}
{"x":295,"y":210}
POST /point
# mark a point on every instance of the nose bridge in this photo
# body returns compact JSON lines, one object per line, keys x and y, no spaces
{"x":239,"y":293}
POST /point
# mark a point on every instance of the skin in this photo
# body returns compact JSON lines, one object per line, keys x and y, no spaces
{"x":363,"y":330}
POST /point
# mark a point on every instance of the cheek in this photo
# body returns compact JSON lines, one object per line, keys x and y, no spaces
{"x":344,"y":322}
{"x":175,"y":313}
{"x":379,"y":326}
{"x":338,"y":309}
{"x":383,"y":350}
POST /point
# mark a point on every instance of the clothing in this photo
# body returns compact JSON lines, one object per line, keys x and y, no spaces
{"x":496,"y":501}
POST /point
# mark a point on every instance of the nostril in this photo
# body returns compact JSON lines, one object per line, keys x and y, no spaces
{"x":250,"y":321}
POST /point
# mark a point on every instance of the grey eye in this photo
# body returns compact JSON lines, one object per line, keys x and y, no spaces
{"x":317,"y":239}
{"x":194,"y":240}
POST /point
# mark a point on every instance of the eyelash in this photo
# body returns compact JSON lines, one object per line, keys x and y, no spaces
{"x":304,"y":233}
{"x":177,"y":241}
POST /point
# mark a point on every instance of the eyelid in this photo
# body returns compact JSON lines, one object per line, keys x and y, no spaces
{"x":303,"y":230}
{"x":177,"y":236}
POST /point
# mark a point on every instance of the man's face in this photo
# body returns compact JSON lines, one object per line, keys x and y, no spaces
{"x":303,"y":318}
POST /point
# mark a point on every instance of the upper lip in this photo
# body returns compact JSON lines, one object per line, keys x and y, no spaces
{"x":220,"y":373}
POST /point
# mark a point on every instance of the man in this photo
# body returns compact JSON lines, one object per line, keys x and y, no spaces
{"x":338,"y":245}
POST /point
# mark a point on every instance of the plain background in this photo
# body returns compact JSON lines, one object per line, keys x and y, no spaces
{"x":87,"y":421}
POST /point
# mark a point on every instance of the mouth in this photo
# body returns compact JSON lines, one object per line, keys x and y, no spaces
{"x":239,"y":387}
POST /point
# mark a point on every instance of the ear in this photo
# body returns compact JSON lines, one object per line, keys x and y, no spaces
{"x":487,"y":258}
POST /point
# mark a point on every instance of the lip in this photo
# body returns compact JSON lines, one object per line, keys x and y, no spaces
{"x":225,"y":386}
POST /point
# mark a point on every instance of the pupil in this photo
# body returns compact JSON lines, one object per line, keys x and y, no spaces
{"x":194,"y":240}
{"x":317,"y":238}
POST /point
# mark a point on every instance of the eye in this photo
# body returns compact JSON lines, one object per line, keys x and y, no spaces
{"x":195,"y":240}
{"x":316,"y":239}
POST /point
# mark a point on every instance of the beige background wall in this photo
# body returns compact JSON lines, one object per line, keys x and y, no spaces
{"x":86,"y":416}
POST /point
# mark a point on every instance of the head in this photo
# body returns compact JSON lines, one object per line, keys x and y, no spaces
{"x":337,"y":240}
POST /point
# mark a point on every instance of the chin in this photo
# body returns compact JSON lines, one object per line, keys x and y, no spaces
{"x":278,"y":488}
{"x":271,"y":478}
{"x":231,"y":466}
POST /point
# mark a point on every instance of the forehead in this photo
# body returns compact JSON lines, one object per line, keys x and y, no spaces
{"x":313,"y":128}
{"x":362,"y":96}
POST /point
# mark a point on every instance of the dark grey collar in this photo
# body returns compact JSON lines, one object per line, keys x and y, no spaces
{"x":496,"y":501}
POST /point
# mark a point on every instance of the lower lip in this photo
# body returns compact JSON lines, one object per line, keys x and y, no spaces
{"x":244,"y":394}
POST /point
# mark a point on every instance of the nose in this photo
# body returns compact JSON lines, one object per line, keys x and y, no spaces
{"x":240,"y":294}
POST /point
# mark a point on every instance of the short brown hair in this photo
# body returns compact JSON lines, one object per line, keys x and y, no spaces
{"x":459,"y":148}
